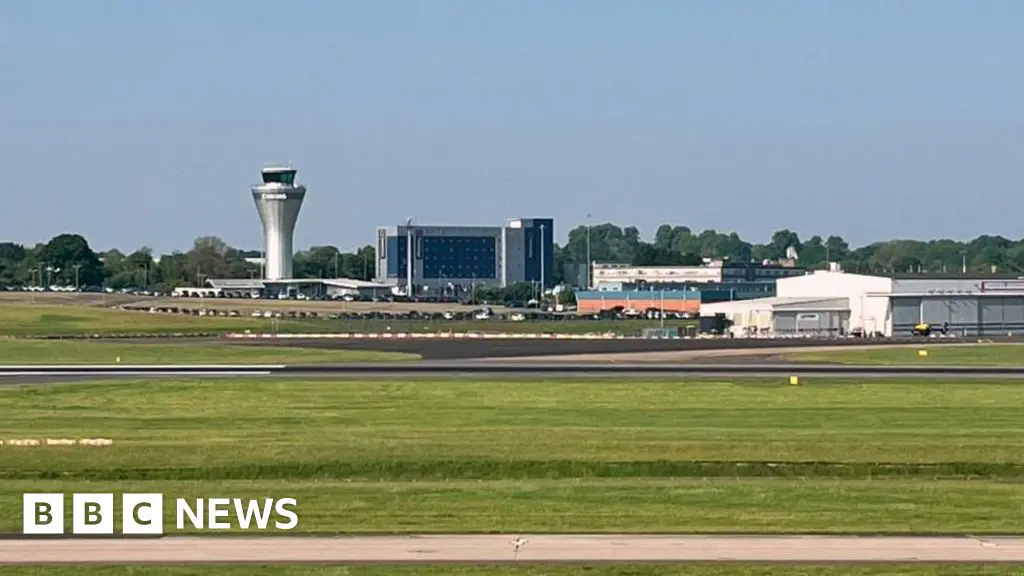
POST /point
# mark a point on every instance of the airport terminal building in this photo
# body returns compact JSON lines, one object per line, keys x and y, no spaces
{"x":459,"y":257}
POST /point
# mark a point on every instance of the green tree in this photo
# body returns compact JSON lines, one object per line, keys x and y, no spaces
{"x":12,"y":261}
{"x":67,"y":257}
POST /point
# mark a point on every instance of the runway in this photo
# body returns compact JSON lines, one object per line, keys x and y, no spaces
{"x":497,"y":370}
{"x":500,"y":549}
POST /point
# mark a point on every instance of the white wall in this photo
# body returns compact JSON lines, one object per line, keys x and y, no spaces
{"x":754,"y":313}
{"x":868,"y":295}
{"x":616,"y":273}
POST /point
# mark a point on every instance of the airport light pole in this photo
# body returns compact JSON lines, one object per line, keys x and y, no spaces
{"x":78,"y":285}
{"x":542,"y":284}
{"x":662,"y":314}
{"x":408,"y":258}
{"x":589,"y":271}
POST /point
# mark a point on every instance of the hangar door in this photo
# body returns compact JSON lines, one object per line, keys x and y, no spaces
{"x":961,"y":313}
{"x":906,"y":313}
{"x":1002,"y":314}
{"x":822,"y":323}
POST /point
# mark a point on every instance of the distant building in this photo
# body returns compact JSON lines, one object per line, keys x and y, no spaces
{"x":715,"y":272}
{"x":676,"y":297}
{"x":594,"y":302}
{"x":835,"y":303}
{"x":278,"y":201}
{"x":458,"y":257}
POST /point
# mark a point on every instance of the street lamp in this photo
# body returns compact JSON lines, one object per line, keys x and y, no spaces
{"x":589,"y":271}
{"x":542,"y":284}
{"x":409,"y":257}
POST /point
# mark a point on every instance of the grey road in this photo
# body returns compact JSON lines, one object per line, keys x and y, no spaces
{"x":14,"y":375}
{"x":500,"y":548}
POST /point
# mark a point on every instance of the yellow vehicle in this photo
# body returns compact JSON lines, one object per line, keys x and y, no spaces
{"x":925,"y":329}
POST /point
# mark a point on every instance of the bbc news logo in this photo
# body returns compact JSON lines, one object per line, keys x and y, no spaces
{"x":143,"y":514}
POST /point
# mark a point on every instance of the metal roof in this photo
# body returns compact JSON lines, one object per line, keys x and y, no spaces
{"x":790,"y":303}
{"x":255,"y":284}
{"x":236,"y":283}
{"x":352,"y":283}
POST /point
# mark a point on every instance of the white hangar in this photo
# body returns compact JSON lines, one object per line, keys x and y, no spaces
{"x":834,"y":303}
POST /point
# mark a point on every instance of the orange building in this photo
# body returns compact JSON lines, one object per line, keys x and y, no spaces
{"x":594,"y":301}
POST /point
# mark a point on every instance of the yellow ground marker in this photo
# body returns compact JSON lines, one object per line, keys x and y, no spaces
{"x":794,"y":380}
{"x":922,"y":353}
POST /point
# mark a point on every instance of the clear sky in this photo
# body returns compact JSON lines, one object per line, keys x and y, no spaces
{"x":145,"y":122}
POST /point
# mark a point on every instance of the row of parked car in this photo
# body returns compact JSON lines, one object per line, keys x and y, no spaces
{"x":484,"y":313}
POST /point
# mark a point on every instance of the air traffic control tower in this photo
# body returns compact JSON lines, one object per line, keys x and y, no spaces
{"x":278,"y":201}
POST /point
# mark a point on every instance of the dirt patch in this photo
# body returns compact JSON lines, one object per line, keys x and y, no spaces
{"x":84,"y":299}
{"x":326,"y":306}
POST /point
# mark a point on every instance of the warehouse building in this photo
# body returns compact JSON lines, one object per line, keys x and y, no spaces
{"x":638,"y":301}
{"x":714,"y":272}
{"x":684,"y":297}
{"x":836,"y":303}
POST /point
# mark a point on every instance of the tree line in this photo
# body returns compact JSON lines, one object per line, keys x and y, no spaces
{"x":69,"y":260}
{"x":983,"y":256}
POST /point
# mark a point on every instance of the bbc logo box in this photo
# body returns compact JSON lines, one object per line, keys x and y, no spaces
{"x":93,"y":514}
{"x":143,"y":514}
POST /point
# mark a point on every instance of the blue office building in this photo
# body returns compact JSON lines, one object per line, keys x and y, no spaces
{"x":462,"y":256}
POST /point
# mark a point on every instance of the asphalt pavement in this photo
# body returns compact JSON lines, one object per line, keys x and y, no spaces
{"x":476,"y":348}
{"x":455,"y":548}
{"x":37,"y":374}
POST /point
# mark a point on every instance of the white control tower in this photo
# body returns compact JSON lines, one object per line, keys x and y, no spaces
{"x":278,"y":201}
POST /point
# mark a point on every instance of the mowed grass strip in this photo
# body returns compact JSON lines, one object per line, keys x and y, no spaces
{"x":597,"y":506}
{"x":28,"y":320}
{"x":530,"y":569}
{"x":937,"y":355}
{"x":24,"y":352}
{"x":49,"y":320}
{"x":293,"y":428}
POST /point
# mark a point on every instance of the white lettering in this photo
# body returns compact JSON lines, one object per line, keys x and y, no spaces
{"x":218,"y":508}
{"x":282,"y":510}
{"x":262,"y":516}
{"x":195,"y":517}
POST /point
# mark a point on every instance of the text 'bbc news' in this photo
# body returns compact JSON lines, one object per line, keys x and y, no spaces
{"x":143,"y":514}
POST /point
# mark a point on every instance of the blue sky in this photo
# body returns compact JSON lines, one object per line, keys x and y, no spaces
{"x":144,"y":123}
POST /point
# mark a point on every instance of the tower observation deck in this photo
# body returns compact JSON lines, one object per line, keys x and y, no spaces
{"x":278,"y":201}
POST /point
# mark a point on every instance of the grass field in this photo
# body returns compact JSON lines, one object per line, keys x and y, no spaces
{"x":26,"y":320}
{"x":521,"y":570}
{"x":946,"y":355}
{"x":598,"y":505}
{"x":23,"y":352}
{"x":552,"y":456}
{"x":105,"y":300}
{"x":462,"y":428}
{"x":20,"y":320}
{"x":326,"y":306}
